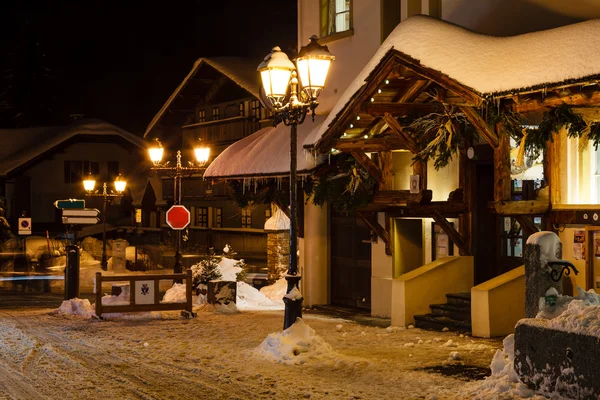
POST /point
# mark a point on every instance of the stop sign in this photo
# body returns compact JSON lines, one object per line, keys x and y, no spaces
{"x":178,"y":217}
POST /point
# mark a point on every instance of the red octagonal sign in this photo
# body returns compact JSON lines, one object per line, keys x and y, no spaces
{"x":178,"y":217}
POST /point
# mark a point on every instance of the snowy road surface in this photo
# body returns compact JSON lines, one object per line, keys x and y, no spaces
{"x":44,"y":354}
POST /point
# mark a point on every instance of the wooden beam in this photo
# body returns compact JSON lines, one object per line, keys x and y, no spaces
{"x":399,"y":197}
{"x":384,"y":159}
{"x":372,"y":145}
{"x":502,"y":180}
{"x":527,"y":225}
{"x":378,"y":127}
{"x":450,"y":209}
{"x":589,"y":97}
{"x":399,"y":109}
{"x":399,"y":131}
{"x":590,"y":114}
{"x":370,"y":219}
{"x":463,"y":91}
{"x":479,"y":123}
{"x":521,"y":207}
{"x":412,"y":92}
{"x":451,"y":232}
{"x":369,"y":165}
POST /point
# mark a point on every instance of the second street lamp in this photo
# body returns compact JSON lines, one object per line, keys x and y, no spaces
{"x":279,"y":77}
{"x":89,"y":185}
{"x":178,"y":172}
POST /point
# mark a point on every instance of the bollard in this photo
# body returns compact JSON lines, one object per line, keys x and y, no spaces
{"x":543,"y":269}
{"x":72,"y":272}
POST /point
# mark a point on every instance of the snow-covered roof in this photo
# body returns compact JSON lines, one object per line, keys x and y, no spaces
{"x":240,"y":70}
{"x":265,"y":153}
{"x":19,"y":146}
{"x":487,"y":64}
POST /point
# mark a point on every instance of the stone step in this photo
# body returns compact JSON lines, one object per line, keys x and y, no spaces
{"x":454,"y":311}
{"x":461,"y":299}
{"x":438,"y":323}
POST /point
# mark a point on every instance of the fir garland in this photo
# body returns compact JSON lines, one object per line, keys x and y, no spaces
{"x":346,"y":186}
{"x":261,"y":192}
{"x":448,"y":131}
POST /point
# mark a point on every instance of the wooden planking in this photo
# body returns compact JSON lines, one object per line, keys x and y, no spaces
{"x":370,"y":145}
{"x":412,"y":92}
{"x":369,"y":165}
{"x":399,"y":109}
{"x":521,"y":207}
{"x":466,"y":93}
{"x":446,"y":208}
{"x":451,"y":232}
{"x":385,"y":165}
{"x":482,"y":127}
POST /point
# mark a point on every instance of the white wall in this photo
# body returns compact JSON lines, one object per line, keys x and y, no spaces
{"x":351,"y":53}
{"x":381,"y":277}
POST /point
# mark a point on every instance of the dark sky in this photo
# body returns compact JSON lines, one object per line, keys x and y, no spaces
{"x":120,"y":60}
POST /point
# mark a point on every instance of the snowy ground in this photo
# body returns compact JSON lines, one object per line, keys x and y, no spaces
{"x":45,"y":354}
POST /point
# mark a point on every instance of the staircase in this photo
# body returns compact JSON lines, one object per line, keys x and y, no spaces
{"x":454,"y":315}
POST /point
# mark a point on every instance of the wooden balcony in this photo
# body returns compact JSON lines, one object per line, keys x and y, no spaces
{"x":222,"y":131}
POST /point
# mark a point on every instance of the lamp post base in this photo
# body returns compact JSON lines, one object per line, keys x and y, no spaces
{"x":104,"y":263}
{"x":178,"y":267}
{"x":293,"y":302}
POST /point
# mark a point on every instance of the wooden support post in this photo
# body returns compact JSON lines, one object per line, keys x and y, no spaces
{"x":399,"y":132}
{"x":465,"y":171}
{"x":386,"y":167}
{"x":420,"y":168}
{"x":552,"y":167}
{"x":451,"y":232}
{"x":370,"y":219}
{"x":370,"y":166}
{"x":527,"y":225}
{"x":98,"y":287}
{"x":482,"y":127}
{"x":502,"y":167}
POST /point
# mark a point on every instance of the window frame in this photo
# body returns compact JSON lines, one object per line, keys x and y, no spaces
{"x":327,"y":34}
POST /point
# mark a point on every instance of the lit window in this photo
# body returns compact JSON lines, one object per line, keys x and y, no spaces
{"x":202,"y":217}
{"x":215,"y":113}
{"x":246,"y":218}
{"x":336,"y":16}
{"x":242,"y":110}
{"x":256,"y":109}
{"x":201,"y":116}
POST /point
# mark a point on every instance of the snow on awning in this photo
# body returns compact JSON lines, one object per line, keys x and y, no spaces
{"x":487,"y":64}
{"x":265,"y":153}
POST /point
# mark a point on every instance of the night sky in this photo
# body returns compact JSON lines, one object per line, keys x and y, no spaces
{"x":120,"y":60}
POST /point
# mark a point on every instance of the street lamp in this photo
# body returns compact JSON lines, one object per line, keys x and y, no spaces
{"x":89,"y":185}
{"x":278,"y":75}
{"x":178,"y":172}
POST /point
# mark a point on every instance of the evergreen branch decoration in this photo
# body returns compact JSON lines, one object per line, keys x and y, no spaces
{"x":265,"y":191}
{"x":346,"y":186}
{"x":448,"y":130}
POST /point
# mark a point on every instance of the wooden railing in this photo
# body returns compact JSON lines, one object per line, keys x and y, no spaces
{"x":222,"y":131}
{"x":148,"y":286}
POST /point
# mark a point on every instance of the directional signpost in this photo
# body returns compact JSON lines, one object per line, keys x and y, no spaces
{"x":69,"y":203}
{"x":83,"y":216}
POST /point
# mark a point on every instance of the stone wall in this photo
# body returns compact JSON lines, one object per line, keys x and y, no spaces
{"x":278,"y":254}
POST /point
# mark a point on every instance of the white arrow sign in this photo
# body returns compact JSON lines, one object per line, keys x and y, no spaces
{"x":83,"y":212}
{"x":80,"y":220}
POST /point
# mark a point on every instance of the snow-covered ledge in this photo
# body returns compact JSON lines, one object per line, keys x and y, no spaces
{"x":413,"y":292}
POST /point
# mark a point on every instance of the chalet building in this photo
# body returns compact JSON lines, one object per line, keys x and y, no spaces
{"x":474,"y":142}
{"x":217,"y":103}
{"x":41,"y":165}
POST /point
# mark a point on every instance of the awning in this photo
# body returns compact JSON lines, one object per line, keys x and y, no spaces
{"x":265,"y":153}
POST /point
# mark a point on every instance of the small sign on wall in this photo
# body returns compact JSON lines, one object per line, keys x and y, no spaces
{"x":414,"y":184}
{"x":144,"y":292}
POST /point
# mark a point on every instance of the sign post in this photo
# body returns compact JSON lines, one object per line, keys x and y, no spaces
{"x":24,"y":226}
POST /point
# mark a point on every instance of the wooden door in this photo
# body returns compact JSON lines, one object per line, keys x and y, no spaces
{"x":350,"y":262}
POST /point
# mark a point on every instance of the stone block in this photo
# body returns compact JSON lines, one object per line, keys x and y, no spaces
{"x":557,"y":362}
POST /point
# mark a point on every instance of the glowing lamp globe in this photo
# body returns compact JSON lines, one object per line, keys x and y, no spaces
{"x":156,"y":154}
{"x":89,"y":183}
{"x":313,"y":63}
{"x":202,"y":154}
{"x":120,"y":184}
{"x":275,"y":73}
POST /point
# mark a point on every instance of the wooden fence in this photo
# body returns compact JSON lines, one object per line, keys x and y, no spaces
{"x":144,"y":293}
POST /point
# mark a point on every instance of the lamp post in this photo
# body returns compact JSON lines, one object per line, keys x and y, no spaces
{"x":89,"y":185}
{"x":178,"y":172}
{"x":280,"y":82}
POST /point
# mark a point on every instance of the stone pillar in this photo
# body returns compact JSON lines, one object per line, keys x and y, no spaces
{"x":278,"y":245}
{"x":540,"y":248}
{"x":278,"y":254}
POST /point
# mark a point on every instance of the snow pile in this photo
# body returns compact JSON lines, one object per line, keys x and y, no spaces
{"x":81,"y":307}
{"x":295,"y":345}
{"x":504,"y":382}
{"x":278,"y":222}
{"x":580,"y":314}
{"x":275,"y":291}
{"x":247,"y":297}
